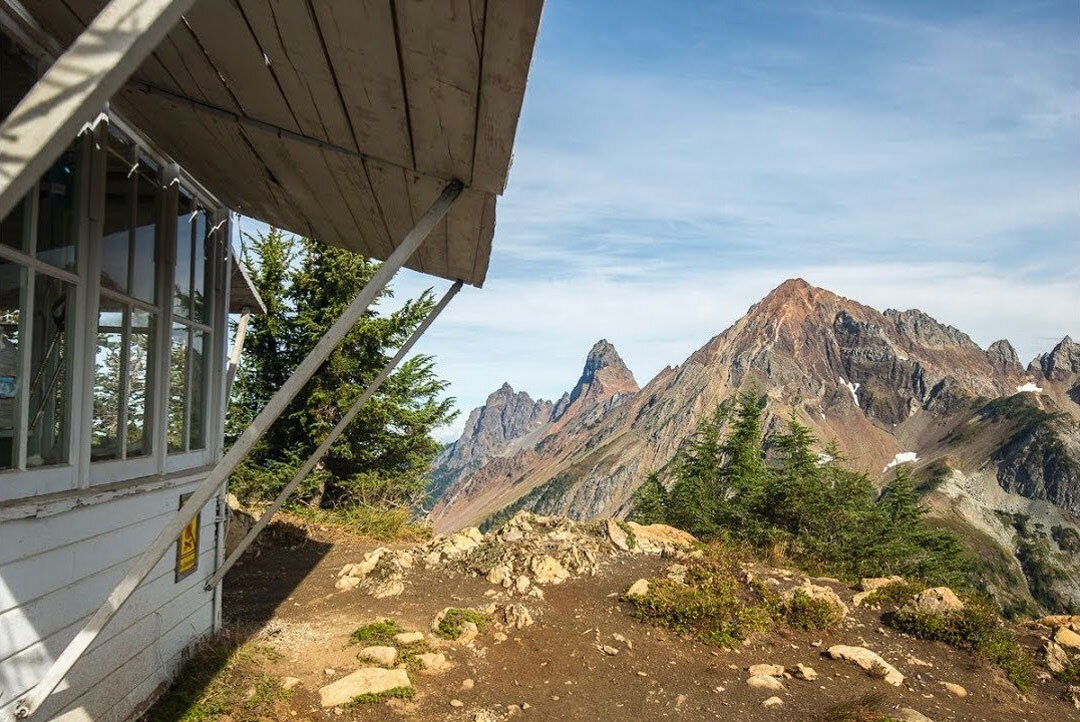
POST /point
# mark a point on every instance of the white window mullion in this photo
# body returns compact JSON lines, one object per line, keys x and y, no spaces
{"x":125,"y":381}
{"x":25,"y":370}
{"x":170,"y":177}
{"x":85,"y":342}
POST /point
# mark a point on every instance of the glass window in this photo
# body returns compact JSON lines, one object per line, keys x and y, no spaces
{"x":189,"y":373}
{"x":185,"y":217}
{"x":178,"y":388}
{"x":119,"y":213}
{"x":108,"y":375}
{"x":144,"y":241}
{"x":139,"y":383}
{"x":123,"y":387}
{"x":200,"y":248}
{"x":51,"y":324}
{"x":14,"y":229}
{"x":57,"y":213}
{"x":11,"y":290}
{"x":200,"y":355}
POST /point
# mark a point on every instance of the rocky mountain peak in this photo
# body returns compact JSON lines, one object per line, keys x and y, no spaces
{"x":923,"y":330}
{"x":1004,"y":358}
{"x":605,"y":373}
{"x":1062,"y":361}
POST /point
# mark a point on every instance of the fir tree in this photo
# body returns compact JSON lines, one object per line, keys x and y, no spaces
{"x":384,"y":455}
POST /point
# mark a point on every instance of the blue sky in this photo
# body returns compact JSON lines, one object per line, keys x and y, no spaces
{"x":675,"y":161}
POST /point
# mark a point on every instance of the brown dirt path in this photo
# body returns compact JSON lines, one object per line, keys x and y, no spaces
{"x":286,"y":597}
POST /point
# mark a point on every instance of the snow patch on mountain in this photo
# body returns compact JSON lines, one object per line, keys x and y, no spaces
{"x":902,"y":457}
{"x":853,"y":388}
{"x":1029,"y":386}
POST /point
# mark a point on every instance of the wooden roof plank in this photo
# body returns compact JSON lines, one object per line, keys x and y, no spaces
{"x":440,"y":57}
{"x":359,"y":40}
{"x":423,"y":190}
{"x":509,"y":37}
{"x":172,"y":70}
{"x":222,"y":31}
{"x":374,"y":239}
{"x":461,"y":226}
{"x":483,"y":243}
{"x":236,"y":53}
{"x":392,"y":191}
{"x":186,"y":71}
{"x":286,"y":31}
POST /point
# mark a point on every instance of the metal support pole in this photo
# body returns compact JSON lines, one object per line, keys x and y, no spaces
{"x":333,"y":436}
{"x":238,"y":347}
{"x":77,"y":86}
{"x":220,"y":473}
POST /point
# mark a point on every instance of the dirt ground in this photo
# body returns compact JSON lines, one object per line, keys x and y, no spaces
{"x":285,"y":597}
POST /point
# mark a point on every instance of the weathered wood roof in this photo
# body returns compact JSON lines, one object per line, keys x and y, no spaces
{"x":340,"y":119}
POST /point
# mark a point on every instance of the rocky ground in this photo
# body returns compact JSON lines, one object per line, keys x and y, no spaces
{"x":547,"y":635}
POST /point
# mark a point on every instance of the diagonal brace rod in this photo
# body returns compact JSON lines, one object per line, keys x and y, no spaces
{"x":333,"y":436}
{"x":209,"y":486}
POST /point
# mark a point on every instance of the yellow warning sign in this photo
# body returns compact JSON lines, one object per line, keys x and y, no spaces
{"x":187,"y":546}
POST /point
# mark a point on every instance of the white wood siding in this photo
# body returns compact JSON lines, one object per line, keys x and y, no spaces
{"x":54,"y":573}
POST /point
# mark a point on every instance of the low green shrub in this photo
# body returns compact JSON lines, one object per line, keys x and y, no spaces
{"x":453,"y":622}
{"x":811,"y":614}
{"x":712,"y":605}
{"x":1071,"y":674}
{"x":976,"y":628}
{"x":373,"y":697}
{"x":377,"y":633}
{"x":893,"y":595}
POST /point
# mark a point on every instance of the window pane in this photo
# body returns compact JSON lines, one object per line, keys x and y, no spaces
{"x":12,"y":278}
{"x":182,"y":277}
{"x":200,"y":356}
{"x":108,"y":374}
{"x":177,"y":388}
{"x":13,"y":230}
{"x":119,"y":202}
{"x":140,"y":387}
{"x":198,"y":289}
{"x":51,"y":324}
{"x":144,"y":252}
{"x":58,"y":216}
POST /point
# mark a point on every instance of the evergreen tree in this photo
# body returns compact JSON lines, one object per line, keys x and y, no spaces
{"x":650,"y":502}
{"x":384,"y":455}
{"x":824,"y":515}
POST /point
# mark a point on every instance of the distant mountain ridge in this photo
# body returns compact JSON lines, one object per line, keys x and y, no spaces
{"x":885,"y":386}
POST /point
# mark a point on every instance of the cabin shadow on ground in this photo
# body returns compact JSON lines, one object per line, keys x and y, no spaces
{"x":264,"y":578}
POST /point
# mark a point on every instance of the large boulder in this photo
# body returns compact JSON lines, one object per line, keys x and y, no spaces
{"x":870,"y":662}
{"x":369,"y":680}
{"x":386,"y":656}
{"x":660,"y":538}
{"x":765,"y":681}
{"x":546,"y":569}
{"x":936,"y":600}
{"x":1067,"y":637}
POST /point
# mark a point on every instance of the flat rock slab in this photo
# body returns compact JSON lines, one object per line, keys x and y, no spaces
{"x":369,"y":680}
{"x":871,"y":662}
{"x":386,"y":656}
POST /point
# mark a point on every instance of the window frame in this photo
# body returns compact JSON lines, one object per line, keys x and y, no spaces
{"x":45,"y":479}
{"x":78,"y":472}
